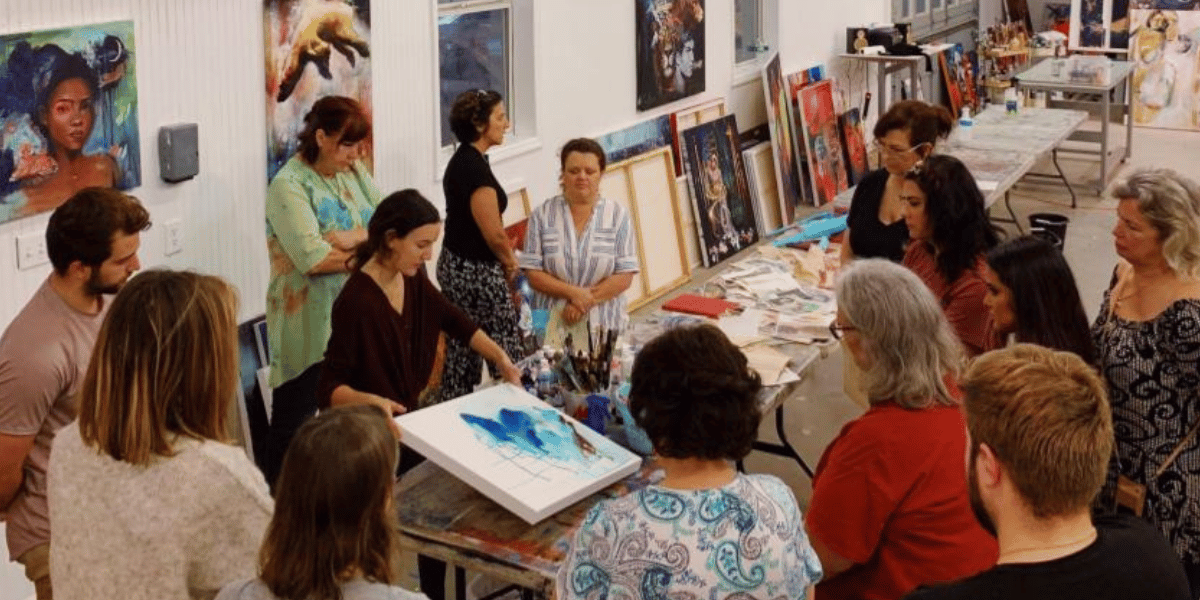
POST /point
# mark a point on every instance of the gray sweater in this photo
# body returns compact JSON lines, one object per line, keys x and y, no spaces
{"x":179,"y":528}
{"x":355,"y":589}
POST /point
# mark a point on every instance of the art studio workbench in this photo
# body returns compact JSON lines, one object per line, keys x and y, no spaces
{"x":442,"y":517}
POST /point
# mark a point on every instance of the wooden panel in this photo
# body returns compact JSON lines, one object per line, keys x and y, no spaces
{"x":657,"y":209}
{"x":615,"y":186}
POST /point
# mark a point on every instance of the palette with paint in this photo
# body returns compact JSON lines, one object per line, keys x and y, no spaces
{"x":522,"y":453}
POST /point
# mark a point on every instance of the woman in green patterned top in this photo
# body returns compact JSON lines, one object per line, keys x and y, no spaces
{"x":318,"y":206}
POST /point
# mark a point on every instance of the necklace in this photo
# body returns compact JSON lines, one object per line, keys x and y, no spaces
{"x":1088,"y":537}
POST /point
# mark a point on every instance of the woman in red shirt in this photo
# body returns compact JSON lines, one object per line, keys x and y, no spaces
{"x":889,"y":508}
{"x":949,"y":233}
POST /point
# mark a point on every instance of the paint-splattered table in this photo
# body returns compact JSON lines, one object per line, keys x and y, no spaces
{"x":445,"y":518}
{"x":1002,"y":148}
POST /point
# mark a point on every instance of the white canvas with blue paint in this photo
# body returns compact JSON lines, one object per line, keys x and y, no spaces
{"x":522,"y":453}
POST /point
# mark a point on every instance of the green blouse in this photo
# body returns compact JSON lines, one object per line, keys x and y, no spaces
{"x":303,"y":206}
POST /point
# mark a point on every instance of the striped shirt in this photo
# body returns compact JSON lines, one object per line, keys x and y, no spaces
{"x":606,"y":248}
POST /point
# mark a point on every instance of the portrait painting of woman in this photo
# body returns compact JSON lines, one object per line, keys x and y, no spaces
{"x":68,"y":109}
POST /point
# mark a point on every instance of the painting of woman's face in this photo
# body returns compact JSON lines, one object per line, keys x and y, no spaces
{"x":69,"y":115}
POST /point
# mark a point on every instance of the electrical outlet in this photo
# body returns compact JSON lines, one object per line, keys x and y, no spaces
{"x":31,"y":251}
{"x":173,"y":231}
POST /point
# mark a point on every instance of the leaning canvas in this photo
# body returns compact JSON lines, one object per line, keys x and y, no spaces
{"x":1166,"y":69}
{"x":779,"y":118}
{"x":314,"y":48}
{"x":522,"y":453}
{"x":69,"y":115}
{"x":724,"y":210}
{"x":823,"y":141}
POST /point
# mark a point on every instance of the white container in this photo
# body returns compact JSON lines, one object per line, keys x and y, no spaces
{"x":966,"y":125}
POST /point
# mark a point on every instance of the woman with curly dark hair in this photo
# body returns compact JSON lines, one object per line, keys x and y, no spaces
{"x":949,"y":234}
{"x":696,"y":397}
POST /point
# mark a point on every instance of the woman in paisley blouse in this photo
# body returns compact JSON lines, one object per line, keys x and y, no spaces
{"x":1148,"y":338}
{"x":318,"y":206}
{"x":705,"y":530}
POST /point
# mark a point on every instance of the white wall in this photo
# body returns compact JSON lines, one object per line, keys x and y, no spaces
{"x":200,"y":61}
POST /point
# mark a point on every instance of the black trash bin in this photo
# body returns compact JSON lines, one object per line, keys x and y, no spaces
{"x":1052,"y":227}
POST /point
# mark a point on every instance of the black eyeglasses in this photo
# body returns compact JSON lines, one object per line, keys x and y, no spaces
{"x":836,"y":329}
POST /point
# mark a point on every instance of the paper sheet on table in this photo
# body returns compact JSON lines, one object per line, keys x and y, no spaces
{"x":743,"y":326}
{"x":768,"y":362}
{"x":986,"y":185}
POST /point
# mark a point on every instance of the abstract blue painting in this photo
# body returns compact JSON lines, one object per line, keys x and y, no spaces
{"x":517,"y":450}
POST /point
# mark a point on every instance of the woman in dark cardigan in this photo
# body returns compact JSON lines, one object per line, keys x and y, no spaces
{"x":387,"y":319}
{"x":386,"y":323}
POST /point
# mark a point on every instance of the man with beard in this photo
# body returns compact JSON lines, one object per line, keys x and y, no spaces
{"x":92,"y":242}
{"x":1040,"y":437}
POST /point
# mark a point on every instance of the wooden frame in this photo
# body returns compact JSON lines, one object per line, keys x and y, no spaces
{"x":650,"y":195}
{"x":760,"y":173}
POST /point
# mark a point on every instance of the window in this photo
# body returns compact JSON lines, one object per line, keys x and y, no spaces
{"x":754,"y":25}
{"x":934,"y":18}
{"x":479,"y":44}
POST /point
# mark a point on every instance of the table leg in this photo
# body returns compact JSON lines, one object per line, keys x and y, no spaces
{"x":784,"y":448}
{"x":881,"y":102}
{"x":1054,"y":159}
{"x":460,"y":583}
{"x":1104,"y":143}
{"x":912,"y":75}
{"x":1128,"y":119}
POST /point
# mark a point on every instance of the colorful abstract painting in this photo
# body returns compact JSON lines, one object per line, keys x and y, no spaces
{"x":670,"y":50}
{"x":1166,"y":68}
{"x":796,"y":81}
{"x":515,"y":449}
{"x":779,"y":118}
{"x":68,"y":108}
{"x":823,"y":141}
{"x":314,"y":48}
{"x":724,"y":209}
{"x":853,"y":144}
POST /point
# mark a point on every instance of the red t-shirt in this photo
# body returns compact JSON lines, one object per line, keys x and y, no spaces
{"x":961,"y":299}
{"x":890,"y":494}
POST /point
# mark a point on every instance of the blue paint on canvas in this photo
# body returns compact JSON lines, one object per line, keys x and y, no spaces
{"x":540,"y":434}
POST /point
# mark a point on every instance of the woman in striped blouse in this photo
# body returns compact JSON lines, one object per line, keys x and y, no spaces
{"x":579,"y":246}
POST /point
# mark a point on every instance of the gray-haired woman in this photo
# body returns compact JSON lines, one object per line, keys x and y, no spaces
{"x":1148,"y":339}
{"x":890,"y":508}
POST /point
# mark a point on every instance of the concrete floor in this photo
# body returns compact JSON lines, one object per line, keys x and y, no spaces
{"x":814,"y":417}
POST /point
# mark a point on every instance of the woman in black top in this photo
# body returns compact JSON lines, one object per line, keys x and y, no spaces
{"x":904,"y":135}
{"x":477,"y":263}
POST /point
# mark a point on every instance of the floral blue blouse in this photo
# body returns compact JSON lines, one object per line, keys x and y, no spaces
{"x":743,"y":540}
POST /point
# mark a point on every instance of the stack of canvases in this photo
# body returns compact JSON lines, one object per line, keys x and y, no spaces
{"x":818,"y":152}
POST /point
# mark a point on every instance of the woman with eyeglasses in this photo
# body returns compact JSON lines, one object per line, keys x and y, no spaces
{"x":949,"y":235}
{"x":905,"y":134}
{"x":477,"y":264}
{"x":890,"y":509}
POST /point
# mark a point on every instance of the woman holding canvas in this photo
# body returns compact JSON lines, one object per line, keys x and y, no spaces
{"x":579,"y":252}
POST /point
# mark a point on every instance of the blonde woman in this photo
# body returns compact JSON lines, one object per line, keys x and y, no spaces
{"x":334,"y":530}
{"x":146,"y":497}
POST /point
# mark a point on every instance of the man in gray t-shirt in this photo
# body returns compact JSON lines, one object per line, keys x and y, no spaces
{"x":92,"y":241}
